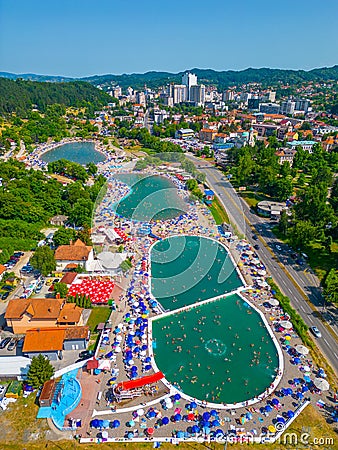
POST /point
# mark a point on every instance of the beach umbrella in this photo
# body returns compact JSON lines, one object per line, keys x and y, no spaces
{"x":272,"y":429}
{"x":290,"y":414}
{"x":136,"y":350}
{"x":119,"y":338}
{"x":215,"y":423}
{"x":242,"y":420}
{"x":280,"y":420}
{"x":193,"y":405}
{"x":248,"y":415}
{"x":296,"y":360}
{"x":100,"y":424}
{"x":140,"y":412}
{"x":151,"y":414}
{"x":131,"y":423}
{"x":195,"y":429}
{"x":130,"y":435}
{"x":164,"y":420}
{"x":116,"y":423}
{"x":177,"y":417}
{"x":150,"y":431}
{"x":299,"y":395}
{"x":301,"y":349}
{"x":206,"y":430}
{"x":287,"y":338}
{"x":206,"y":424}
{"x":321,"y":384}
{"x":288,"y":391}
{"x":95,"y":423}
{"x":105,"y":423}
{"x":191,"y":417}
{"x":104,"y":434}
{"x":148,"y":359}
{"x":305,"y":388}
{"x":177,"y":397}
{"x":306,"y":369}
{"x":117,"y":330}
{"x":273,"y":302}
{"x":214,"y":413}
{"x":180,"y":434}
{"x":147,"y":367}
{"x":268,"y":408}
{"x":134,"y":368}
{"x":275,"y":401}
{"x":130,"y":362}
{"x":219,"y":433}
{"x":296,"y":380}
{"x":206,"y":416}
{"x":285,"y":324}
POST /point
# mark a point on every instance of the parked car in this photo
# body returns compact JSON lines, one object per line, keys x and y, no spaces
{"x":20,"y":342}
{"x":86,"y":354}
{"x":256,"y":247}
{"x":254,"y":237}
{"x":4,"y":296}
{"x":5,"y":342}
{"x":278,"y":247}
{"x":12,"y":344}
{"x":7,"y":287}
{"x":316,"y":332}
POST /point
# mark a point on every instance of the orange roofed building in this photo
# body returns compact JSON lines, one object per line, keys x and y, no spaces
{"x":76,"y":253}
{"x":24,"y":314}
{"x":51,"y":342}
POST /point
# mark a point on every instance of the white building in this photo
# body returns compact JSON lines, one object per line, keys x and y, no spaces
{"x":189,"y":80}
{"x":288,"y":107}
{"x":197,"y":94}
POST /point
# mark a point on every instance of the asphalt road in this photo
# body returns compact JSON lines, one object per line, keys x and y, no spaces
{"x":290,"y":277}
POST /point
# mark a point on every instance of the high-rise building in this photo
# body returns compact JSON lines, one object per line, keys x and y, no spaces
{"x":288,"y":107}
{"x":179,"y":93}
{"x":271,"y":96}
{"x":141,"y":98}
{"x":269,"y":108}
{"x":228,"y":96}
{"x":302,"y":104}
{"x":197,"y":94}
{"x":189,"y":80}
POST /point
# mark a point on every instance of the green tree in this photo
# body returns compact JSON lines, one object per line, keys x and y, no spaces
{"x":40,"y":371}
{"x":63,"y":236}
{"x":328,"y":243}
{"x":330,"y":285}
{"x":91,"y":168}
{"x":302,"y":233}
{"x":283,"y":223}
{"x":61,"y":288}
{"x":43,"y":260}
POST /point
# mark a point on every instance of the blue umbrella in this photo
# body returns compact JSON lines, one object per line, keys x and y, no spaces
{"x":136,"y":350}
{"x":215,"y":423}
{"x":206,"y":430}
{"x":290,"y":414}
{"x":116,"y":423}
{"x":268,"y":408}
{"x":148,"y":359}
{"x":280,"y":420}
{"x":206,"y":415}
{"x":296,"y":380}
{"x":213,"y":412}
{"x":100,"y":423}
{"x":117,"y":330}
{"x":164,"y":420}
{"x":94,"y":423}
{"x":219,"y":432}
{"x":138,"y":321}
{"x":305,"y":388}
{"x":134,"y":368}
{"x":275,"y":401}
{"x":130,"y":435}
{"x":307,"y":379}
{"x":177,"y":397}
{"x":152,"y":413}
{"x":296,"y":360}
{"x":193,"y":405}
{"x":144,"y":347}
{"x":105,"y":424}
{"x":127,"y":315}
{"x":195,"y":429}
{"x":289,"y":391}
{"x":177,"y":417}
{"x":206,"y":424}
{"x":131,"y":423}
{"x":180,"y":434}
{"x":299,"y":395}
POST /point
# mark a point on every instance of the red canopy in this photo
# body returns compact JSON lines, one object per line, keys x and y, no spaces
{"x":126,"y":385}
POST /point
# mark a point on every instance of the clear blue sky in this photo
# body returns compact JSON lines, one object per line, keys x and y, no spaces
{"x":86,"y":37}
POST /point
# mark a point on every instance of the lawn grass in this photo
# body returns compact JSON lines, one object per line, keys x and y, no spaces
{"x":252,"y":198}
{"x":309,"y":421}
{"x":98,"y":314}
{"x":218,"y":212}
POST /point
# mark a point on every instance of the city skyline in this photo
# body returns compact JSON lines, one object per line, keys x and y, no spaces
{"x":76,"y":39}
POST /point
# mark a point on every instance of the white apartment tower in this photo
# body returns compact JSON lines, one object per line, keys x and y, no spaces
{"x":189,"y":80}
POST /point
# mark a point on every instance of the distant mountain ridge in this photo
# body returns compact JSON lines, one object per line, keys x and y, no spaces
{"x":222,"y":79}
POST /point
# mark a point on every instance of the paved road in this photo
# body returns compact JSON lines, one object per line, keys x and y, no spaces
{"x":290,"y":277}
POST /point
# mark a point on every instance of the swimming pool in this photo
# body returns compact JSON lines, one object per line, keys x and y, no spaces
{"x":68,"y":396}
{"x":151,"y":198}
{"x":219,"y":352}
{"x":189,"y":269}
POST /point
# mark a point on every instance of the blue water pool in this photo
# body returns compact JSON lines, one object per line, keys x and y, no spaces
{"x":67,"y":396}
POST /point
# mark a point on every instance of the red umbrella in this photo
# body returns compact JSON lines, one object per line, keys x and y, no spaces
{"x":191,"y":417}
{"x":150,"y":431}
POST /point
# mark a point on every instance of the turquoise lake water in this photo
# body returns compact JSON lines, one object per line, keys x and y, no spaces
{"x":151,"y":198}
{"x":79,"y":152}
{"x":189,"y":269}
{"x":220,"y":352}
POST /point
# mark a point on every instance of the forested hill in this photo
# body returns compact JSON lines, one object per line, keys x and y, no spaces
{"x":222,"y":79}
{"x":19,"y":96}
